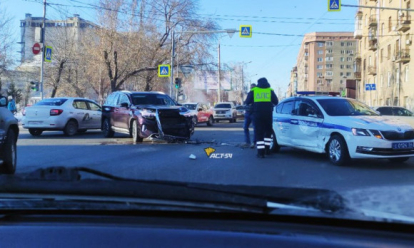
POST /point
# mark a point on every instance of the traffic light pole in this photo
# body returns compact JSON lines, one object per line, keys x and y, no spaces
{"x":43,"y":49}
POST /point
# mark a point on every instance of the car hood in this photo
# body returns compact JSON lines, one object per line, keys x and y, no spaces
{"x":157,"y":107}
{"x":372,"y":122}
{"x":221,"y":109}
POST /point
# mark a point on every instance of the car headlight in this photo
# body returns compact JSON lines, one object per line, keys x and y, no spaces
{"x":360,"y":132}
{"x":376,"y":133}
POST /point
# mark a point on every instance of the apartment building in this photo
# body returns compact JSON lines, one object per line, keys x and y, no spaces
{"x":72,"y":29}
{"x":291,"y":90}
{"x":325,"y":61}
{"x":383,"y":62}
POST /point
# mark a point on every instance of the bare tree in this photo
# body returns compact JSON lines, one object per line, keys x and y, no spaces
{"x":6,"y":40}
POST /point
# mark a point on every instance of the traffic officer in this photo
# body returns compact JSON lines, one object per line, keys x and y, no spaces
{"x":263,"y":99}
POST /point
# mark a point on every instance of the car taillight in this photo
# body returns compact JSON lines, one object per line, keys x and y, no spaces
{"x":55,"y":112}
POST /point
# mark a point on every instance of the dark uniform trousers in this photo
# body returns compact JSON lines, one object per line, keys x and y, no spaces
{"x":263,"y":129}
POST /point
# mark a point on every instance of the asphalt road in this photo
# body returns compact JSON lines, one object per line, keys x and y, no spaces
{"x":170,"y":161}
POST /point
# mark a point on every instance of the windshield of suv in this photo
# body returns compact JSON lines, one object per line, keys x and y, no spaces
{"x":222,"y":105}
{"x":145,"y":63}
{"x":345,"y":107}
{"x":190,"y":106}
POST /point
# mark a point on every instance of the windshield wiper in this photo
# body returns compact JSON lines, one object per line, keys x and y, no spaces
{"x":70,"y":182}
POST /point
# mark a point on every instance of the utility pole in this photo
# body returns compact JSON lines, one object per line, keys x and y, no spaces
{"x":172,"y":62}
{"x":43,"y":50}
{"x":219,"y":86}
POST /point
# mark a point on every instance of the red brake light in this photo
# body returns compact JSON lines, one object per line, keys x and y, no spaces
{"x":55,"y":111}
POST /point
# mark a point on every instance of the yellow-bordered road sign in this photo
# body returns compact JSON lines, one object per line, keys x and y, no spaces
{"x":334,"y":5}
{"x":164,"y":71}
{"x":48,"y":53}
{"x":245,"y":31}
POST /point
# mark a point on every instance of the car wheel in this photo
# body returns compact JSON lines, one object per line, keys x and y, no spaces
{"x":108,"y":132}
{"x":274,"y":146}
{"x":399,"y":160}
{"x":82,"y":130}
{"x":135,"y":132}
{"x":217,"y":121}
{"x":35,"y":132}
{"x":71,"y":128}
{"x":10,"y":153}
{"x":235,"y":119}
{"x":337,"y":150}
{"x":210,"y":121}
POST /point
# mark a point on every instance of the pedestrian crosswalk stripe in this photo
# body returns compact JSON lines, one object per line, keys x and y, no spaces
{"x":334,"y":5}
{"x":245,"y":31}
{"x":164,"y":71}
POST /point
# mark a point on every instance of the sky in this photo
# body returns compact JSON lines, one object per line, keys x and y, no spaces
{"x":277,"y":26}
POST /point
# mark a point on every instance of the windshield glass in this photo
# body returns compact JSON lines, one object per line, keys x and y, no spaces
{"x":345,"y":107}
{"x":111,"y":86}
{"x":222,"y":106}
{"x":190,"y":106}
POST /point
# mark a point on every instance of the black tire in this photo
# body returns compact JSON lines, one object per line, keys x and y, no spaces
{"x":35,"y":131}
{"x":234,"y":119}
{"x":82,"y":130}
{"x":274,"y":146}
{"x":210,"y":121}
{"x":10,"y":153}
{"x":217,"y":121}
{"x":134,"y":131}
{"x":108,"y":132}
{"x":338,"y":150}
{"x":399,"y":160}
{"x":71,"y":128}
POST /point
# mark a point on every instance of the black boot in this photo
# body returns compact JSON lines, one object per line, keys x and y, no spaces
{"x":267,"y":151}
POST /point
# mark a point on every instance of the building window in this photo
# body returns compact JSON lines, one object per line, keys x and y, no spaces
{"x":348,"y":66}
{"x":341,"y":74}
{"x":349,"y":52}
{"x":306,"y":54}
{"x":348,"y":74}
{"x":342,"y":66}
{"x":389,"y":79}
{"x":329,"y":43}
{"x":342,"y":51}
{"x":320,"y":51}
{"x":319,"y":81}
{"x":349,"y":44}
{"x":320,"y":44}
{"x":319,"y":74}
{"x":342,"y":43}
{"x":320,"y":67}
{"x":329,"y":73}
{"x":342,"y":59}
{"x":349,"y":59}
{"x":328,"y":81}
{"x":329,"y":58}
{"x":381,"y":54}
{"x":329,"y":51}
{"x":320,"y":59}
{"x":389,"y":24}
{"x":388,"y":51}
{"x":329,"y":66}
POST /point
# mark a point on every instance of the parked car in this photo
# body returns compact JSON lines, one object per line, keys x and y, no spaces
{"x":341,"y":127}
{"x":398,"y":113}
{"x":201,"y":112}
{"x":145,"y":114}
{"x":225,"y":111}
{"x":241,"y":110}
{"x":68,"y":114}
{"x":9,"y":133}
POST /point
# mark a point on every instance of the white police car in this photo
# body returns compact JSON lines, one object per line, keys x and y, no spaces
{"x":343,"y":128}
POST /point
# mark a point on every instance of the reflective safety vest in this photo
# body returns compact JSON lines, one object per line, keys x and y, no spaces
{"x":262,"y":95}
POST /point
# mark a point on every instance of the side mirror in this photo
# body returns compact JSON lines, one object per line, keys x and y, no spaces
{"x":200,"y":109}
{"x":3,"y":101}
{"x":124,"y":105}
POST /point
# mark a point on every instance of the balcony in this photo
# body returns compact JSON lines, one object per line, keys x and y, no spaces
{"x":403,"y":24}
{"x":373,"y":45}
{"x":357,"y":75}
{"x":402,"y":56}
{"x":358,"y":34}
{"x":358,"y":57}
{"x":372,"y":22}
{"x":372,"y":70}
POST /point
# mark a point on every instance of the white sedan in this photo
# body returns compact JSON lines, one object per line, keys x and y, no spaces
{"x":341,"y":127}
{"x":70,"y":115}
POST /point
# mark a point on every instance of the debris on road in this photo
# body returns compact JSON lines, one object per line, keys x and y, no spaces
{"x":192,"y":156}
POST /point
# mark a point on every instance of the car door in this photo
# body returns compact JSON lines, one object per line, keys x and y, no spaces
{"x":202,"y":114}
{"x":82,"y":113}
{"x":122,"y":111}
{"x":282,"y":122}
{"x":96,"y":114}
{"x":306,"y":122}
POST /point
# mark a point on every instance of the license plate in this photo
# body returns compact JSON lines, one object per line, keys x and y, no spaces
{"x":403,"y":145}
{"x":220,"y":115}
{"x":35,"y":122}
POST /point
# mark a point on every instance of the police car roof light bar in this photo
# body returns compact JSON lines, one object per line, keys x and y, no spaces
{"x":318,"y":93}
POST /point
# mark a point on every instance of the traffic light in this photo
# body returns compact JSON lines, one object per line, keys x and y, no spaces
{"x":34,"y":86}
{"x":177,"y":83}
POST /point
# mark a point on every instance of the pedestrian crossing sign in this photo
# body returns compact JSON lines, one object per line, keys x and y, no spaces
{"x":334,"y":5}
{"x":164,"y":71}
{"x":246,"y":31}
{"x":48,"y":54}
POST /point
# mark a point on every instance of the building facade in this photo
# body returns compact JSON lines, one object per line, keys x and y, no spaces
{"x":325,"y":61}
{"x":73,"y":28}
{"x":384,"y":42}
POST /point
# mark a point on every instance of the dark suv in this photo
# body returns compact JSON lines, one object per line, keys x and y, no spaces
{"x":145,"y":114}
{"x":9,"y":131}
